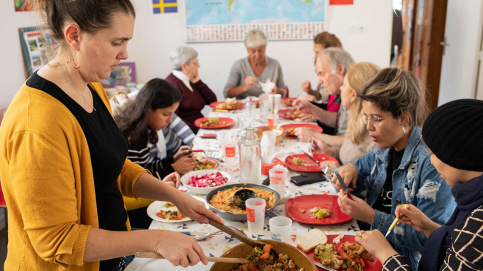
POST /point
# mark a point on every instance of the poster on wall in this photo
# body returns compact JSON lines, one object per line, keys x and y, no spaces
{"x":36,"y":47}
{"x":23,"y":5}
{"x":230,"y":20}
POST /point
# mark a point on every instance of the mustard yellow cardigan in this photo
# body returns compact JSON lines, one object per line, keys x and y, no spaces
{"x":47,"y":179}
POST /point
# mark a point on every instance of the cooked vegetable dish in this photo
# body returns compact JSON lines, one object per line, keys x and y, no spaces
{"x":262,"y":260}
{"x":349,"y":256}
{"x":228,"y":104}
{"x":223,"y":200}
{"x":170,"y":215}
{"x":212,"y":122}
{"x":205,"y":164}
{"x":300,"y":162}
{"x":320,"y":213}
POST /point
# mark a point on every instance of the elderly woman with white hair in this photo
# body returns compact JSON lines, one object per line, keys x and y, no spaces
{"x":186,"y":79}
{"x":247,"y":73}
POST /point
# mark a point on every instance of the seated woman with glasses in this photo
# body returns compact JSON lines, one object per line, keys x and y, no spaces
{"x":398,"y":170}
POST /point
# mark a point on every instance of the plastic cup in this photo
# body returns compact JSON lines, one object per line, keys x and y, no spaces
{"x":229,"y":152}
{"x":255,"y":215}
{"x":272,"y":119}
{"x":274,"y":100}
{"x":280,"y":228}
{"x":278,"y":176}
{"x":227,"y":146}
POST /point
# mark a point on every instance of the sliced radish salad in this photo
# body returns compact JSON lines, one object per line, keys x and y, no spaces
{"x":207,"y":180}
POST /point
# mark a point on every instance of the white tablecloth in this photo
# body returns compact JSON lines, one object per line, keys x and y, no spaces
{"x":218,"y":244}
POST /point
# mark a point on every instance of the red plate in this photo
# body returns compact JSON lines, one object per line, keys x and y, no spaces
{"x":286,"y":113}
{"x":372,"y":263}
{"x":314,"y":127}
{"x":307,"y":202}
{"x":228,"y":122}
{"x":312,"y":166}
{"x":214,"y":104}
{"x":288,"y":101}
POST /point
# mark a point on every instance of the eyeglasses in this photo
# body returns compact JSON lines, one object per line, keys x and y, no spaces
{"x":374,"y":119}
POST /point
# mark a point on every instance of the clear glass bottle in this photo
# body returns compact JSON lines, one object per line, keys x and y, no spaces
{"x":250,"y":157}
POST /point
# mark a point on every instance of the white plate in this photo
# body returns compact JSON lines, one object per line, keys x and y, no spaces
{"x":203,"y":190}
{"x":157,"y":206}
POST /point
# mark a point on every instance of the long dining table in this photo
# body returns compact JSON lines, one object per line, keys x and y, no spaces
{"x":216,"y":245}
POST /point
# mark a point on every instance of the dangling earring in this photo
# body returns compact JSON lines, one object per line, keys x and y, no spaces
{"x":76,"y":67}
{"x":404,"y":129}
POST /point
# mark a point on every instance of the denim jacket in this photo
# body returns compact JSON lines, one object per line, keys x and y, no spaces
{"x":414,"y":182}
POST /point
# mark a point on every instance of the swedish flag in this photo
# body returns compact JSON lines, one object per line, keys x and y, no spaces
{"x":165,"y":6}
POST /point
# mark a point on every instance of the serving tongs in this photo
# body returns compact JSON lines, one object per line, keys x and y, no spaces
{"x":235,"y":233}
{"x":154,"y":255}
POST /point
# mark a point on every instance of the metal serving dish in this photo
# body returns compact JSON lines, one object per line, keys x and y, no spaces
{"x":235,"y":216}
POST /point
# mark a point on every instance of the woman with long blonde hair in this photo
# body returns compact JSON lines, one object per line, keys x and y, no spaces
{"x":357,"y":142}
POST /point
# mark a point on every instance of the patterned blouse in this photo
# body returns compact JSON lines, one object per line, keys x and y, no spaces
{"x":465,"y":252}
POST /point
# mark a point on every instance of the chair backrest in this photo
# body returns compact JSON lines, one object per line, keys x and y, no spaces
{"x":2,"y":198}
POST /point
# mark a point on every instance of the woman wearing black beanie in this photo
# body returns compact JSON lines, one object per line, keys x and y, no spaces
{"x":453,"y":134}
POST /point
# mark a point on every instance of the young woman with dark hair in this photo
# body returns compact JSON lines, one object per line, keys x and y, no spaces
{"x":141,"y":123}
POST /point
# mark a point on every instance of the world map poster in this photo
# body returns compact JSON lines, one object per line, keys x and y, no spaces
{"x":231,"y":20}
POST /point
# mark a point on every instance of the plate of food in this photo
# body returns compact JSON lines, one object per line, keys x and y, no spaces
{"x":228,"y":104}
{"x":165,"y":211}
{"x":290,"y":114}
{"x":302,"y":163}
{"x":289,"y":128}
{"x":206,"y":163}
{"x":214,"y":123}
{"x":316,"y":210}
{"x":288,"y":101}
{"x":204,"y":181}
{"x":339,"y":252}
{"x":220,"y":200}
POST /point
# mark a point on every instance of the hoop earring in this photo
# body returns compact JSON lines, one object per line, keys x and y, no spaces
{"x":404,"y":129}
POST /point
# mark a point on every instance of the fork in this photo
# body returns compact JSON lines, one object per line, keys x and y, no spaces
{"x":206,"y":235}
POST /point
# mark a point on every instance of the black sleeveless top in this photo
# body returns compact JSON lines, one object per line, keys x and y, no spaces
{"x":108,"y":151}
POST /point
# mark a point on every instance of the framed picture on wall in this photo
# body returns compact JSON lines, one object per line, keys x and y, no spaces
{"x":36,"y":48}
{"x":124,"y":74}
{"x":23,"y":5}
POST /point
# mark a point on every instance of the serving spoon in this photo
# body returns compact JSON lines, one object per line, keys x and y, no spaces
{"x":241,"y":196}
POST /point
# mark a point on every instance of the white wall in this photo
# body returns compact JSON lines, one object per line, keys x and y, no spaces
{"x":460,"y":60}
{"x":156,"y":35}
{"x":12,"y":69}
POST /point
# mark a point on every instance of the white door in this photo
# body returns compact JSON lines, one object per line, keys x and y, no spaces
{"x":459,"y":71}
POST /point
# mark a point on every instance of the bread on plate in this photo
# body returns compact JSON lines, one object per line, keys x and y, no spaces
{"x":312,"y":239}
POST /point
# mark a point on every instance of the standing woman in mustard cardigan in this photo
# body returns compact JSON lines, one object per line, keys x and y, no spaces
{"x":63,"y":160}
